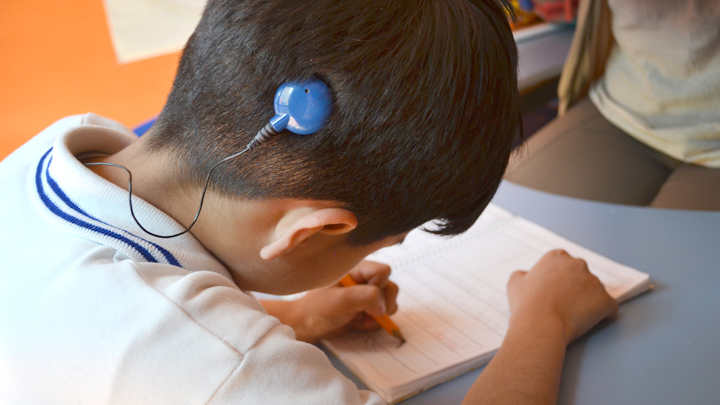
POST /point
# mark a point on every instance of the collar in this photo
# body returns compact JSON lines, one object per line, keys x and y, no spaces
{"x":78,"y":198}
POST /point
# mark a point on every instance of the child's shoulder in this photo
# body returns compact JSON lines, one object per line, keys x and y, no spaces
{"x":45,"y":138}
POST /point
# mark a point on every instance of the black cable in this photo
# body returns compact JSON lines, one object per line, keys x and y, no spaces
{"x":263,"y":135}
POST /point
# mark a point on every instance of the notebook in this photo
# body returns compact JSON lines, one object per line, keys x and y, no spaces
{"x":453,"y":308}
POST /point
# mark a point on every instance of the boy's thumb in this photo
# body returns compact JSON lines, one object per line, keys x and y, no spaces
{"x":365,"y":297}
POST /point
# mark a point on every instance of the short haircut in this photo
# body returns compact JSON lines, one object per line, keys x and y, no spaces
{"x":425,"y":106}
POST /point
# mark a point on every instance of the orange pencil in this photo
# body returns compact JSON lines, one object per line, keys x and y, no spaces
{"x":384,"y":321}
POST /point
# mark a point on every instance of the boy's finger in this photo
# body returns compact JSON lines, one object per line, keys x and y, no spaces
{"x":391,"y":291}
{"x":364,"y":297}
{"x":364,"y":322}
{"x":371,"y":272}
{"x":614,"y":307}
{"x":515,"y":277}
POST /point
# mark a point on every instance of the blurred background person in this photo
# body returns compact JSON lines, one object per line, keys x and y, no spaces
{"x":639,"y":108}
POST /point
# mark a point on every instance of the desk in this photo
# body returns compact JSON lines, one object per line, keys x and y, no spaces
{"x":665,"y":346}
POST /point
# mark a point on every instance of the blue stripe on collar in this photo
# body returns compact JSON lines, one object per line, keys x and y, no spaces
{"x":76,"y":221}
{"x":61,"y":194}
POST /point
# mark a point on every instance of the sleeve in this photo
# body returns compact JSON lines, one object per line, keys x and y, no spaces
{"x":282,"y":370}
{"x":590,"y":49}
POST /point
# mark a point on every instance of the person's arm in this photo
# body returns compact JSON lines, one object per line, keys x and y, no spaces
{"x":557,"y":301}
{"x":331,"y":311}
{"x":526,"y":369}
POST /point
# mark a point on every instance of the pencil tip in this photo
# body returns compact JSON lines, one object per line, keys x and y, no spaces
{"x":400,"y":337}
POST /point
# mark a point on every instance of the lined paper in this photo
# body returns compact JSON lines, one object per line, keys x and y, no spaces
{"x":453,"y":307}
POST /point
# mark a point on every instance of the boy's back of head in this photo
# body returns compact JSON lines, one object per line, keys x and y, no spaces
{"x":425,"y":106}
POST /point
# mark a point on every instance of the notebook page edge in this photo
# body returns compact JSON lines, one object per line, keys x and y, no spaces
{"x":404,"y":392}
{"x":356,"y":369}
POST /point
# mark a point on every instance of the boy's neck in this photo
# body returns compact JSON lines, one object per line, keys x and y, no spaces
{"x":152,"y":178}
{"x":155,"y":179}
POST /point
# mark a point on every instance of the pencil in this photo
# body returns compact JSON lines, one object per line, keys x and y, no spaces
{"x":384,"y":321}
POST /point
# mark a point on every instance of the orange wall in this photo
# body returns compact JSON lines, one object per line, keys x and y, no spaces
{"x":57,"y":59}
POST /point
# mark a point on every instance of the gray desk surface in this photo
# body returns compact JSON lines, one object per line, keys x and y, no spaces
{"x":664,"y":348}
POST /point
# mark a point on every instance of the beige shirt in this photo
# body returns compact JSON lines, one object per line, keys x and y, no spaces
{"x":662,"y":79}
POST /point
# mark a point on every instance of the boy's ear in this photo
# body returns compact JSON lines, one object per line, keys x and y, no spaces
{"x":302,"y":226}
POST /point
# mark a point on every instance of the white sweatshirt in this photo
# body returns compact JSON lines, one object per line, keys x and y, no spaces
{"x":94,"y":311}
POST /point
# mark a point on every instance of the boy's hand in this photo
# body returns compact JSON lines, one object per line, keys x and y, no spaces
{"x":331,"y":311}
{"x":560,"y":288}
{"x":552,"y":304}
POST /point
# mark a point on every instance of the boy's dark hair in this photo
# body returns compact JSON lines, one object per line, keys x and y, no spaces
{"x":425,"y":106}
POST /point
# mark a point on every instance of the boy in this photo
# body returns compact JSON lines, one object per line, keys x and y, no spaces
{"x":424,"y":113}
